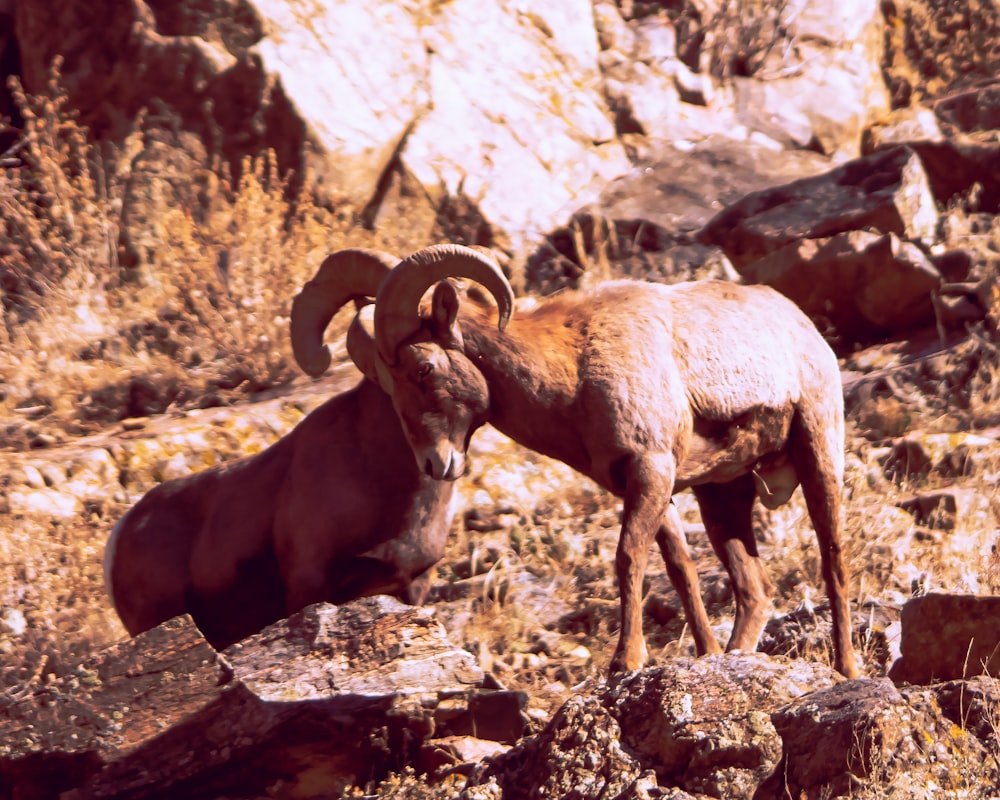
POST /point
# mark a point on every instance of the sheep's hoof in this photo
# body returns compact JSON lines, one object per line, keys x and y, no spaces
{"x":620,"y":662}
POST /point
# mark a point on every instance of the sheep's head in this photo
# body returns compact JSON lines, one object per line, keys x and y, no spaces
{"x":439,"y":394}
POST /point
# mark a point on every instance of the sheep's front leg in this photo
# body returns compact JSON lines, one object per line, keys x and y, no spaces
{"x":649,"y":481}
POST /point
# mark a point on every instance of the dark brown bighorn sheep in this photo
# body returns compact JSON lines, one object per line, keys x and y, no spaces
{"x":333,"y":511}
{"x":647,"y":389}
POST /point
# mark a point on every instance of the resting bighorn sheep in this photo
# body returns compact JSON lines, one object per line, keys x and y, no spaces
{"x":647,"y":389}
{"x":334,"y":510}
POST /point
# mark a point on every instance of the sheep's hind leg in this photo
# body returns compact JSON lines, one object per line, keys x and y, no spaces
{"x":817,"y":452}
{"x":684,"y":578}
{"x":726,"y":510}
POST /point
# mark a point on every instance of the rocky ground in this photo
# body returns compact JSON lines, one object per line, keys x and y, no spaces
{"x":527,"y":584}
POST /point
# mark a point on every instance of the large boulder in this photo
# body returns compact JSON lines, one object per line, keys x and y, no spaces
{"x":352,"y":91}
{"x":791,"y":76}
{"x":848,"y":246}
{"x":876,"y":736}
{"x":746,"y":725}
{"x":948,"y":637}
{"x":887,"y":192}
{"x":822,"y":86}
{"x":857,"y":284}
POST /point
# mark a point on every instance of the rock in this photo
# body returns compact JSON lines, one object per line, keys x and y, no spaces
{"x":579,"y":755}
{"x":356,"y":93}
{"x":330,"y":697}
{"x":948,"y":637}
{"x":955,"y":168}
{"x":949,"y":454}
{"x":743,"y":725}
{"x":409,"y":115}
{"x":806,"y":633}
{"x":899,"y":127}
{"x":680,"y":189}
{"x":64,"y":735}
{"x":886,"y":192}
{"x":971,"y":704}
{"x":651,"y":91}
{"x":818,"y":88}
{"x":872,"y":735}
{"x":958,"y":304}
{"x":643,"y":224}
{"x":939,"y":509}
{"x":698,"y":725}
{"x":858,"y":285}
{"x":528,"y":114}
{"x":449,"y":755}
{"x":976,"y":109}
{"x":813,"y":81}
{"x":60,"y":485}
{"x":336,"y":697}
{"x":855,"y":718}
{"x":703,"y":725}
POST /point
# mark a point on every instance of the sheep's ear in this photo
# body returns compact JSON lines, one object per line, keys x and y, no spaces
{"x":444,"y":313}
{"x":361,"y":342}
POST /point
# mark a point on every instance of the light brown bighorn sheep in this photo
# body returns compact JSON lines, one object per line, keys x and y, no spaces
{"x":333,"y":511}
{"x":647,"y":389}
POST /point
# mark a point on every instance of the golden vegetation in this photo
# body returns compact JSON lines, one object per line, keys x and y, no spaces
{"x":121,"y":280}
{"x":190,"y":310}
{"x":97,"y":328}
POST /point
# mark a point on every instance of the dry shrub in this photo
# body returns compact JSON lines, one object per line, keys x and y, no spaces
{"x":88,"y":337}
{"x":200,"y":320}
{"x":746,"y":38}
{"x":408,"y":785}
{"x":53,"y":606}
{"x":58,"y":256}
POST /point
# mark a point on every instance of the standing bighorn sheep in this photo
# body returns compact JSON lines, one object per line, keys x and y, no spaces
{"x":647,"y":389}
{"x":334,"y":510}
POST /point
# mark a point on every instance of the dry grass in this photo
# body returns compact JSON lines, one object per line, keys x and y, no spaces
{"x":86,"y":339}
{"x":199,"y":318}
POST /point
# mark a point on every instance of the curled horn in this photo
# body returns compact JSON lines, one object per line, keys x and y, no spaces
{"x":361,"y":344}
{"x":397,"y":303}
{"x":343,"y":276}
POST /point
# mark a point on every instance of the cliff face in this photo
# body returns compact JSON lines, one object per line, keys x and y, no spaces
{"x":526,"y":115}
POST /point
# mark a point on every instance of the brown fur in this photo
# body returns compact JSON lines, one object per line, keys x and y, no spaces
{"x":647,"y":389}
{"x":333,"y":511}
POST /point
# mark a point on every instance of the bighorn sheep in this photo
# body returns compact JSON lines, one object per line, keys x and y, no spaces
{"x":647,"y":389}
{"x":334,"y":510}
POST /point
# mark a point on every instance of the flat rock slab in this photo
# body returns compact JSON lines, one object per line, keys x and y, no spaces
{"x":887,"y":192}
{"x":331,"y":697}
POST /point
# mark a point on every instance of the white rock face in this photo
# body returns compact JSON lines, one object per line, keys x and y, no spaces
{"x":823,"y":86}
{"x":521,"y":129}
{"x":357,"y":74}
{"x":493,"y":101}
{"x":526,"y":111}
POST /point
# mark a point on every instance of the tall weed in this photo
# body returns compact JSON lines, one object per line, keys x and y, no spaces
{"x":110,"y":312}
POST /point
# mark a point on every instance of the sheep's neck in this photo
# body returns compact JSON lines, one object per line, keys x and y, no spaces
{"x":532,"y":372}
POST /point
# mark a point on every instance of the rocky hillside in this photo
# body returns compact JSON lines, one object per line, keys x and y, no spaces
{"x":175,"y":171}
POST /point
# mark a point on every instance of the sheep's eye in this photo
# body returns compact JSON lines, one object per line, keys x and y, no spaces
{"x":425,"y":370}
